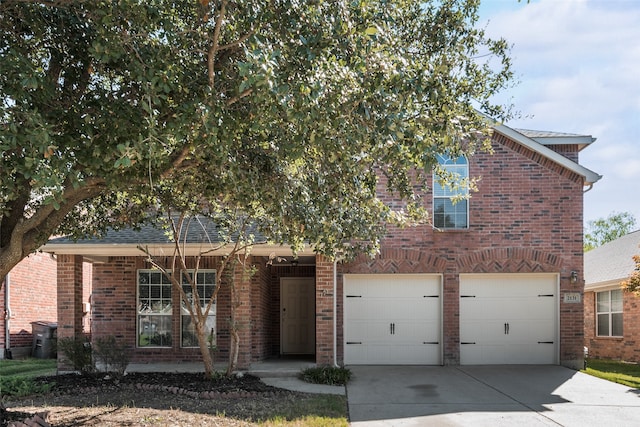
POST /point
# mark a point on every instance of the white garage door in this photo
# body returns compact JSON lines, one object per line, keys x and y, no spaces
{"x":392,"y":319}
{"x":508,"y":319}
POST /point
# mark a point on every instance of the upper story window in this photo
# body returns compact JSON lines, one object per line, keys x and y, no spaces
{"x":450,"y":202}
{"x":609,"y":313}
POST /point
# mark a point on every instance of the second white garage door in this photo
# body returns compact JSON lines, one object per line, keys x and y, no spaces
{"x":508,"y":319}
{"x":392,"y":319}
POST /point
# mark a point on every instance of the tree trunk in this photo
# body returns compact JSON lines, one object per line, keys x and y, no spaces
{"x":205,"y":351}
{"x":234,"y":348}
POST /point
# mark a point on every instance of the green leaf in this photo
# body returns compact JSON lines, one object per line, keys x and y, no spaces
{"x":371,"y":31}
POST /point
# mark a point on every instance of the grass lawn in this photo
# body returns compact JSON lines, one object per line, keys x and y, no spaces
{"x":15,"y":376}
{"x":616,"y":371}
{"x":27,"y":368}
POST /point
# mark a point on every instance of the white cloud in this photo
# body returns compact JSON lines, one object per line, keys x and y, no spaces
{"x":578,"y":62}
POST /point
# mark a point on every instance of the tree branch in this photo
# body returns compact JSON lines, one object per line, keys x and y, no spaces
{"x":213,"y":49}
{"x":239,"y":41}
{"x":238,"y":97}
{"x":27,"y":234}
{"x":175,"y":164}
{"x":47,"y":218}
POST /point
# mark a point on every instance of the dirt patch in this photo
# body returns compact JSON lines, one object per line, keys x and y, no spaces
{"x":146,"y":399}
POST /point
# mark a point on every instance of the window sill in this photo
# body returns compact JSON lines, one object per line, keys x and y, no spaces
{"x":452,"y":230}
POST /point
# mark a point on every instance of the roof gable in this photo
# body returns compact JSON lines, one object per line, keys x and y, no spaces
{"x":588,"y":175}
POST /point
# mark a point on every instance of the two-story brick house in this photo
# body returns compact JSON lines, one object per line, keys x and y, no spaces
{"x":497,"y":279}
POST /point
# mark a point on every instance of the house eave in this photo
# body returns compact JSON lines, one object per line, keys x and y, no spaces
{"x":102,"y":251}
{"x":581,"y":141}
{"x":588,"y":175}
{"x":605,"y":285}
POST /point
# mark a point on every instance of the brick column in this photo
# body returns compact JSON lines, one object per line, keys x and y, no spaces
{"x":69,"y":301}
{"x":243,"y":314}
{"x":324,"y":311}
{"x":451,"y":319}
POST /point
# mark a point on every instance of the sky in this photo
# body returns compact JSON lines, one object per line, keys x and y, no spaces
{"x":577,"y":64}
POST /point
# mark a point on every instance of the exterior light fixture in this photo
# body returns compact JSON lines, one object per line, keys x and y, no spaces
{"x":574,"y":276}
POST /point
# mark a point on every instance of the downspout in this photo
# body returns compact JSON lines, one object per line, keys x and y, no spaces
{"x":7,"y":318}
{"x":588,"y":189}
{"x":335,"y":313}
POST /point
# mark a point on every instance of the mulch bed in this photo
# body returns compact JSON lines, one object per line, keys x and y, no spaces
{"x":184,"y":398}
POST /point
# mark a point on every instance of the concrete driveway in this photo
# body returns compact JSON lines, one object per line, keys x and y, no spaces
{"x":519,"y":395}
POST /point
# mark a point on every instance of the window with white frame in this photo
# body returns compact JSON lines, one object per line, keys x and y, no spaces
{"x":154,"y":309}
{"x":205,"y":282}
{"x":609,"y":313}
{"x":450,"y":203}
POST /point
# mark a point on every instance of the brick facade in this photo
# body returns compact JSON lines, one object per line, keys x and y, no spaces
{"x":114,"y":309}
{"x":32,"y":298}
{"x":526,"y":217}
{"x":625,"y":348}
{"x":32,"y":284}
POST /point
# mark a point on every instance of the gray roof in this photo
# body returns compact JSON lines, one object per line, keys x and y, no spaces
{"x":612,"y":262}
{"x":153,"y":232}
{"x":201,"y":235}
{"x":557,"y":138}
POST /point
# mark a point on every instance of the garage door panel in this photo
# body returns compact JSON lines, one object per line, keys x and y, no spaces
{"x":392,"y":319}
{"x":414,"y":332}
{"x":508,"y":318}
{"x":413,"y":308}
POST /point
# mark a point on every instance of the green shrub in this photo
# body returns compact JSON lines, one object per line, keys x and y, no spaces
{"x":113,"y":357}
{"x":18,"y":386}
{"x":329,"y":375}
{"x":78,"y":352}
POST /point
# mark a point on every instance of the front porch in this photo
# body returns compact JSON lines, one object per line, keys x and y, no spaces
{"x":266,"y":345}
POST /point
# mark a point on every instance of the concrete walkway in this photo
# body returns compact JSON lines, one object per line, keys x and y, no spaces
{"x":487,"y":396}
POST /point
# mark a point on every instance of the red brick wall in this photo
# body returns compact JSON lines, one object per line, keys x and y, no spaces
{"x":261,"y":330}
{"x":32,"y":298}
{"x":526,"y":217}
{"x":626,"y":348}
{"x":569,"y":151}
{"x":324,"y":311}
{"x":114,"y":311}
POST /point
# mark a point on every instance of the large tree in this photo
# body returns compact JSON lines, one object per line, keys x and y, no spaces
{"x":292,"y":112}
{"x":605,"y":230}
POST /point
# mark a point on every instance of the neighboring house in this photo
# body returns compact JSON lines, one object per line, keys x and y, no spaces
{"x":611,"y":315}
{"x":498,"y":280}
{"x":28,"y":294}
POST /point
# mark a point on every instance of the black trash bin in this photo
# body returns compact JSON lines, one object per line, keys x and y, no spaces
{"x":45,"y":335}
